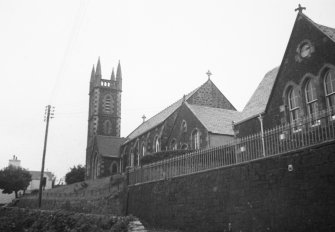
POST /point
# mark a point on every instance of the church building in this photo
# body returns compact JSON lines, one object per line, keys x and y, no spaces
{"x":201,"y":119}
{"x":301,"y":88}
{"x":104,"y":124}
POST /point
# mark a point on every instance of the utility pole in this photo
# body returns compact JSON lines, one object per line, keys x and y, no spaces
{"x":49,"y":113}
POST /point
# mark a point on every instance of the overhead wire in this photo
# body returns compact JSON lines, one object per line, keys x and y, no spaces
{"x":80,"y":15}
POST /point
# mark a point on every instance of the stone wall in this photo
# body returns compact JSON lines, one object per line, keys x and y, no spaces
{"x":98,"y":196}
{"x":291,"y":192}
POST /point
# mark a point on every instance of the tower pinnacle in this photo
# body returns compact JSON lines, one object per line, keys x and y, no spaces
{"x":92,"y":74}
{"x":98,"y":70}
{"x":118,"y":72}
{"x":113,"y":75}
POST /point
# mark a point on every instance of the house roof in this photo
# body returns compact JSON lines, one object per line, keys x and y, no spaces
{"x":36,"y":175}
{"x":328,"y":31}
{"x":258,"y":101}
{"x":109,"y":145}
{"x":216,"y":120}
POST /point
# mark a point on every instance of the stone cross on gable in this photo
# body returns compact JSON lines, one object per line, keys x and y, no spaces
{"x":209,"y":74}
{"x":300,"y":8}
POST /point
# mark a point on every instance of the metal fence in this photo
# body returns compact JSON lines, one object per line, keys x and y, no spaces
{"x":301,"y":133}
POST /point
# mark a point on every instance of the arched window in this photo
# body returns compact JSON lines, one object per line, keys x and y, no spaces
{"x":173,"y":145}
{"x":329,"y":83}
{"x":311,"y":101}
{"x":195,"y":139}
{"x":131,"y":158}
{"x":96,"y":167}
{"x":183,"y":126}
{"x":156,"y":144}
{"x":136,"y":152}
{"x":293,"y":107}
{"x":144,"y":149}
{"x":108,"y":104}
{"x":114,"y":168}
{"x":107,"y":127}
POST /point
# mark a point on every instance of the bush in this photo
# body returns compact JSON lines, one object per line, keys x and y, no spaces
{"x":17,"y":219}
{"x":34,"y":192}
{"x":162,"y":155}
{"x":76,"y":174}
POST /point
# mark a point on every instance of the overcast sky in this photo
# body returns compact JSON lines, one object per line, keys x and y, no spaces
{"x":47,"y":49}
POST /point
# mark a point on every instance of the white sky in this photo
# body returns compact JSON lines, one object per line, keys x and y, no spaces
{"x":47,"y":49}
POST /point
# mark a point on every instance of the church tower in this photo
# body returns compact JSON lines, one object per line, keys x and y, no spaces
{"x":104,"y":117}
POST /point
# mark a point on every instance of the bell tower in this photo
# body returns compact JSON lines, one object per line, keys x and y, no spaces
{"x":104,"y":116}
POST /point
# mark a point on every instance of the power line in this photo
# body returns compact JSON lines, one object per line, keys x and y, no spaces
{"x":69,"y":48}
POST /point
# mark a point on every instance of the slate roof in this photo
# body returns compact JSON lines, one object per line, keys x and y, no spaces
{"x":36,"y":175}
{"x":216,"y":120}
{"x":328,"y":31}
{"x":109,"y":145}
{"x":258,"y":101}
{"x":158,"y":118}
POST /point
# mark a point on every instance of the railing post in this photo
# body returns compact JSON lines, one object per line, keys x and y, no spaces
{"x":260,"y":117}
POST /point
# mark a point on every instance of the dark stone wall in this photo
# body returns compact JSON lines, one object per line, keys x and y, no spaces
{"x":258,"y":196}
{"x":193,"y":123}
{"x":98,"y":197}
{"x":167,"y":131}
{"x":106,"y":165}
{"x":248,"y":127}
{"x":209,"y":95}
{"x":114,"y":116}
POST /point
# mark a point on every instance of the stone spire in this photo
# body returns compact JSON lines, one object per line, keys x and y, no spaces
{"x":92,"y":74}
{"x":113,"y":75}
{"x":98,"y":70}
{"x":118,"y":72}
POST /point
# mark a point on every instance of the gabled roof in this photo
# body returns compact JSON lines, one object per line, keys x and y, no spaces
{"x":109,"y":145}
{"x":215,"y":120}
{"x":258,"y":101}
{"x":158,"y":118}
{"x":164,"y":114}
{"x":36,"y":175}
{"x":328,"y":31}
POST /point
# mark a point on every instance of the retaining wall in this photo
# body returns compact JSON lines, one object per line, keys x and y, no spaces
{"x":291,"y":192}
{"x":98,"y":196}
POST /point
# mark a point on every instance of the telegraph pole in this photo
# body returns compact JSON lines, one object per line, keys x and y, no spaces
{"x":49,"y":113}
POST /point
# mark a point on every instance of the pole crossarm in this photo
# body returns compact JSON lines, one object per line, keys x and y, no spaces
{"x":49,"y":112}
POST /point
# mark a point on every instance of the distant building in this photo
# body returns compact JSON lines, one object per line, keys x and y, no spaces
{"x":14,"y":162}
{"x":35,"y":180}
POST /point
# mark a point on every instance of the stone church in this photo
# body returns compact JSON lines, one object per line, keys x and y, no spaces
{"x":104,"y":124}
{"x":201,"y":119}
{"x":302,"y":86}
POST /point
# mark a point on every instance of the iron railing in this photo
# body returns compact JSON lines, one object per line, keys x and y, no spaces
{"x":302,"y":133}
